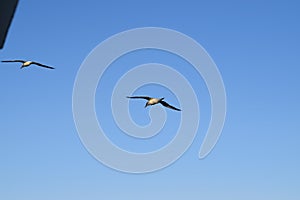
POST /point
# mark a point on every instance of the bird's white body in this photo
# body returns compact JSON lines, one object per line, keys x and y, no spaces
{"x":153,"y":101}
{"x":27,"y":63}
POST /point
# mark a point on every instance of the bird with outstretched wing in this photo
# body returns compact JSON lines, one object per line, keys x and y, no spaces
{"x":28,"y":63}
{"x":152,"y":101}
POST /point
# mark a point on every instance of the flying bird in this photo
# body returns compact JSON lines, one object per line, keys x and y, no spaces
{"x":152,"y":101}
{"x":27,"y":63}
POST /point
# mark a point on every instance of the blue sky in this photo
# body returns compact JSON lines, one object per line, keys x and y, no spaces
{"x":256,"y":48}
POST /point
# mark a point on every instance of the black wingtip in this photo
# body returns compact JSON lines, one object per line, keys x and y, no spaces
{"x":177,"y":109}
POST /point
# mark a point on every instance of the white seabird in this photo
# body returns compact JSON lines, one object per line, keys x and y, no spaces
{"x":152,"y":101}
{"x":27,"y":63}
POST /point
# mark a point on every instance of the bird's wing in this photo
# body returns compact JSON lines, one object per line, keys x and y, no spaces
{"x":21,"y":61}
{"x":140,"y":97}
{"x":39,"y":64}
{"x":168,"y":105}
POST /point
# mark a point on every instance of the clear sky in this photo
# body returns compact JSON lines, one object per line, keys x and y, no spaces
{"x":256,"y":48}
